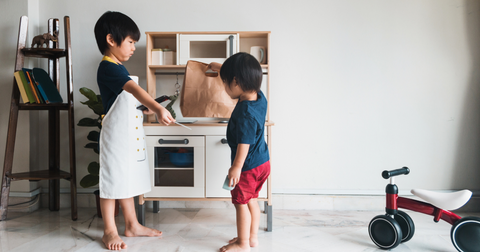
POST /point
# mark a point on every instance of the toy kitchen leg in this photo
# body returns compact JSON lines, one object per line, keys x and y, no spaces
{"x":140,"y":209}
{"x":156,"y":206}
{"x":268,"y":211}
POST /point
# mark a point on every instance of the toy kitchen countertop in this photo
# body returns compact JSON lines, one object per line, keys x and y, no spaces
{"x":210,"y":127}
{"x":196,"y":123}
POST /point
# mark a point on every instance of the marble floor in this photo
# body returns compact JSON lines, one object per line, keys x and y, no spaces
{"x":208,"y":229}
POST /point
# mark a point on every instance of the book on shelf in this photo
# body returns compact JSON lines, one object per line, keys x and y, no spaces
{"x":32,"y":85}
{"x":19,"y":82}
{"x":27,"y":88}
{"x":48,"y":88}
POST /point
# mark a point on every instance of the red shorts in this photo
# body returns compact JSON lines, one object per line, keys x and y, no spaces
{"x":250,"y":184}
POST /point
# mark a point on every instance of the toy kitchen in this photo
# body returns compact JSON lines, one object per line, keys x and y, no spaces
{"x":191,"y":163}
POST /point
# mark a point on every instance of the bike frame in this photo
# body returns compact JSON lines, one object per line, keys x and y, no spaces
{"x":394,"y":202}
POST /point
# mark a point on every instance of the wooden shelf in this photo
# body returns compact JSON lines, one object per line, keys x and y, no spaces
{"x":244,"y":34}
{"x":182,"y":67}
{"x":40,"y":175}
{"x":54,"y":173}
{"x":41,"y":106}
{"x":44,"y":52}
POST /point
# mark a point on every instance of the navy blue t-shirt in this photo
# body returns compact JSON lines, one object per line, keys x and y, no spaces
{"x":247,"y":125}
{"x":111,"y":78}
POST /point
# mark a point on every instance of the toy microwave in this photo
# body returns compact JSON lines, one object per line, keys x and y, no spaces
{"x":206,"y":47}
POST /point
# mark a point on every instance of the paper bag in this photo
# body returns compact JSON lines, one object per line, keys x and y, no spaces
{"x":202,"y":95}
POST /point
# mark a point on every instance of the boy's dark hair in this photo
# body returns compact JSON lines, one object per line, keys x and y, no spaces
{"x":119,"y":25}
{"x":245,"y":69}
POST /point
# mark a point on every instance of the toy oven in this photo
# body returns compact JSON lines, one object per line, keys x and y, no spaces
{"x":177,"y":166}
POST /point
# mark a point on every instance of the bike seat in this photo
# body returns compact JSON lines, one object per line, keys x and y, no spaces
{"x":446,"y":201}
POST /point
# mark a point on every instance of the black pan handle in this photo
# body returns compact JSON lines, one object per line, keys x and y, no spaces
{"x":401,"y":171}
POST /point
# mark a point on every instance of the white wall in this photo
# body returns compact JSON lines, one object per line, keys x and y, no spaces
{"x":356,"y":86}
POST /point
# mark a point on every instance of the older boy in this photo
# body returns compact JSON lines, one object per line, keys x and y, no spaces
{"x":124,"y":170}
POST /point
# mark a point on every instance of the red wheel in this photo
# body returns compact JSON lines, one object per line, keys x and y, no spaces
{"x":385,"y":232}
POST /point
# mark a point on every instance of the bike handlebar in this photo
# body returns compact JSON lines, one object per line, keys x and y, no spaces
{"x":388,"y":174}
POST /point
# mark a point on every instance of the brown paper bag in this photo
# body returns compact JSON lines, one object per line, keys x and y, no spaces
{"x":202,"y":95}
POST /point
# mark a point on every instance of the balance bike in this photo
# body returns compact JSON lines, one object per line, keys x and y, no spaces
{"x":389,"y":230}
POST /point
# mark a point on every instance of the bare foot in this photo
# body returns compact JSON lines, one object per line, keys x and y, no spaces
{"x":113,"y":242}
{"x":253,"y":241}
{"x":139,"y":230}
{"x":235,"y":247}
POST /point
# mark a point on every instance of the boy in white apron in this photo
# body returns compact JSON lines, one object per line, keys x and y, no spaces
{"x":123,"y":161}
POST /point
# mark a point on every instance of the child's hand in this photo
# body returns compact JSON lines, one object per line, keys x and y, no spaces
{"x":234,"y":176}
{"x":215,"y":66}
{"x":165,"y":117}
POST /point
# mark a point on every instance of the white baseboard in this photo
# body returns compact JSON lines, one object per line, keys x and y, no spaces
{"x":24,"y":201}
{"x":331,"y":200}
{"x":25,"y":194}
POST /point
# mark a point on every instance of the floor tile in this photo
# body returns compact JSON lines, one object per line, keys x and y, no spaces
{"x":207,"y":229}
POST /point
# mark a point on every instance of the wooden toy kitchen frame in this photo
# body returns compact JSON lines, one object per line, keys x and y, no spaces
{"x":202,"y":180}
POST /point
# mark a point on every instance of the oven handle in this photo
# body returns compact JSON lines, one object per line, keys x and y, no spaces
{"x":163,"y":141}
{"x":224,"y":141}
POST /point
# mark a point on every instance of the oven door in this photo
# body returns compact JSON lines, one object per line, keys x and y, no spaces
{"x":177,"y":166}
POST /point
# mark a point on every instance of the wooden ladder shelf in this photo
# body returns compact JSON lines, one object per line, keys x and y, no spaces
{"x":53,"y":174}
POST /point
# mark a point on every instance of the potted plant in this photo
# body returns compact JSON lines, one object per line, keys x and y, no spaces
{"x":94,"y":102}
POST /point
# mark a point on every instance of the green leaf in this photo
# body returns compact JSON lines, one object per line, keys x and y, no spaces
{"x":91,"y":145}
{"x":89,"y":102}
{"x":89,"y":181}
{"x":97,"y":108}
{"x":88,"y":122}
{"x":93,"y":136}
{"x":94,"y":168}
{"x":88,"y":93}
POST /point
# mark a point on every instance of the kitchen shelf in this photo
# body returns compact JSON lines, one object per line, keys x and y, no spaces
{"x":182,"y":67}
{"x":211,"y":129}
{"x":179,"y":67}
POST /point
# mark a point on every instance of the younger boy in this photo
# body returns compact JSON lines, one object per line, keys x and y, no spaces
{"x":124,"y":170}
{"x":242,"y":76}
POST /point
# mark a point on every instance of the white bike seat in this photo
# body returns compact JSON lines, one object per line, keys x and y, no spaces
{"x":446,"y":201}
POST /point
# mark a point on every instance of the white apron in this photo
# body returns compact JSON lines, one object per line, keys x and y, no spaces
{"x":124,"y":169}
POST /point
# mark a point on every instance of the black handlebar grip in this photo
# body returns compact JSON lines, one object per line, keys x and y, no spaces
{"x":388,"y":174}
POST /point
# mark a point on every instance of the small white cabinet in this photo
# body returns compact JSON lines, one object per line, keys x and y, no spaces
{"x":217,"y":163}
